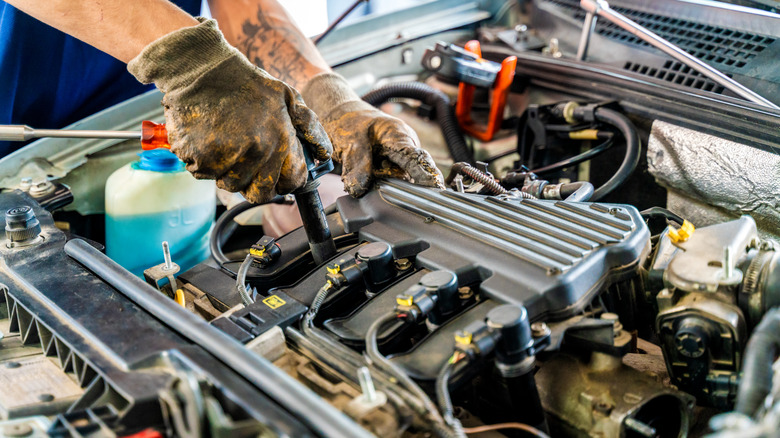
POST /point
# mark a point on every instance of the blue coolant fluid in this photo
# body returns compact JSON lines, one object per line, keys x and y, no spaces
{"x":155,"y":200}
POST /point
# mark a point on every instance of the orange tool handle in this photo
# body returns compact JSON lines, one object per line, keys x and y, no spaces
{"x":153,"y":136}
{"x":500,"y":93}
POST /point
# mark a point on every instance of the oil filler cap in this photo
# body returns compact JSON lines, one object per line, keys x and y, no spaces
{"x":21,"y":225}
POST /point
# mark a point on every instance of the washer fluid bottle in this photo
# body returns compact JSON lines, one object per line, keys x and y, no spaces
{"x":155,"y":200}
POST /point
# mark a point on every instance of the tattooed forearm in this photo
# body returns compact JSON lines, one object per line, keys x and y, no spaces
{"x":270,"y":39}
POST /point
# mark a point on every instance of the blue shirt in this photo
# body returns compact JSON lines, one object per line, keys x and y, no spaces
{"x":49,"y":79}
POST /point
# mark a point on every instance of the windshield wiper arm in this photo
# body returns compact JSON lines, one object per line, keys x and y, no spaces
{"x":602,"y":9}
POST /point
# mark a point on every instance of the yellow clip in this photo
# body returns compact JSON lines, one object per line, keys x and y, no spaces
{"x":257,"y":252}
{"x":404,"y":300}
{"x":463,"y":337}
{"x":334,"y":270}
{"x":584,"y":134}
{"x":683,"y":233}
{"x":179,"y":298}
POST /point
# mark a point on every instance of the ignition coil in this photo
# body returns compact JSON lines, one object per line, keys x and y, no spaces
{"x":507,"y":332}
{"x":376,"y":261}
{"x":435,"y":297}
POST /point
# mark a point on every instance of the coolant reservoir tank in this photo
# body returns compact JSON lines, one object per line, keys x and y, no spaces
{"x":155,"y":200}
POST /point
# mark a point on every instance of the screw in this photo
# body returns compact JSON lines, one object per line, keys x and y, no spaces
{"x":366,"y":385}
{"x":553,"y":271}
{"x":167,"y":256}
{"x":639,"y":427}
{"x":459,"y":185}
{"x":429,"y":219}
{"x":25,"y":184}
{"x":41,"y":189}
{"x":539,"y":329}
{"x":465,"y":293}
{"x":403,"y":264}
{"x":617,"y":326}
{"x":553,"y":49}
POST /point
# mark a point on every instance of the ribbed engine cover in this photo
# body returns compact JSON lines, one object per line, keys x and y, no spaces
{"x":550,"y":256}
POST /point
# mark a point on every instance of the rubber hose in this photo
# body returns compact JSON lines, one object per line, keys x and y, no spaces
{"x":577,"y":159}
{"x":760,"y":353}
{"x":445,"y":113}
{"x":633,"y":149}
{"x":579,"y":191}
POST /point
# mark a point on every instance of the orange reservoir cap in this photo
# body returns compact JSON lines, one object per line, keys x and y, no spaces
{"x":153,"y":136}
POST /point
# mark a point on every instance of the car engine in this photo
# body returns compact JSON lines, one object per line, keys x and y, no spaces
{"x":601,"y":263}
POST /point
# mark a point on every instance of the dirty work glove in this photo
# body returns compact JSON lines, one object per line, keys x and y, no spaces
{"x":363,"y":136}
{"x":227,"y":119}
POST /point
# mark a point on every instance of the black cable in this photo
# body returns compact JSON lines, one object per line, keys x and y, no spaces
{"x":663,"y":213}
{"x":445,"y":113}
{"x":246,"y":296}
{"x":444,"y":399}
{"x":219,"y":236}
{"x":319,"y":298}
{"x":372,"y":351}
{"x":633,"y":149}
{"x":577,"y":159}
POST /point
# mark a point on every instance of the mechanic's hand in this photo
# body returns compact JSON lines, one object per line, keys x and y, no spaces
{"x":228,"y":119}
{"x":363,"y":137}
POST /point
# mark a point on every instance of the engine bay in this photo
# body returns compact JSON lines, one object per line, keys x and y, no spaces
{"x":601,"y":263}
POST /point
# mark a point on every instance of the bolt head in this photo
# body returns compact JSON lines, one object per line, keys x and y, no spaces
{"x":539,"y":329}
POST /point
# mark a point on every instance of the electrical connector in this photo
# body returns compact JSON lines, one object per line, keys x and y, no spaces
{"x":476,"y":339}
{"x":435,"y":297}
{"x":343,"y":272}
{"x":682,"y":234}
{"x":265,"y":251}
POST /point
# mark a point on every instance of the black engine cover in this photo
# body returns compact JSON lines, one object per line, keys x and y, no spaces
{"x":553,"y":257}
{"x":550,"y":256}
